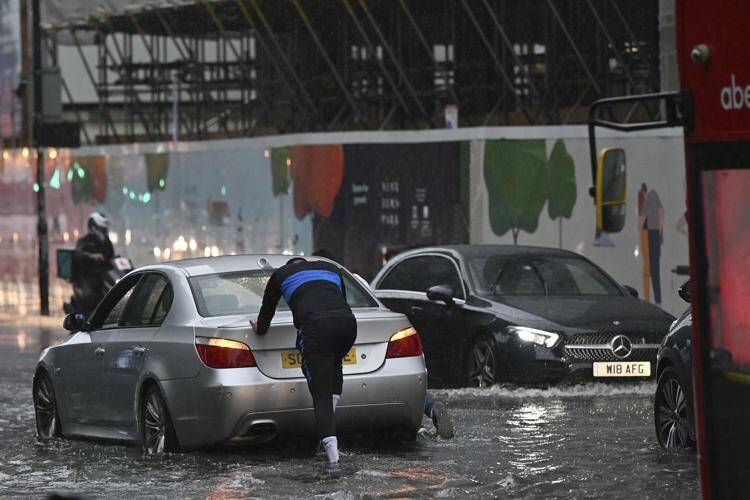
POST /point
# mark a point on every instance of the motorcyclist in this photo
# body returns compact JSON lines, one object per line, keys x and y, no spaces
{"x":93,"y":250}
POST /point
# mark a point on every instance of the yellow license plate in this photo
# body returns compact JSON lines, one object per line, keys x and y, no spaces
{"x":293,"y":359}
{"x":622,"y":369}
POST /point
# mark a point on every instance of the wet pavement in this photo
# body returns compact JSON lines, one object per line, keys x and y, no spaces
{"x":586,"y":441}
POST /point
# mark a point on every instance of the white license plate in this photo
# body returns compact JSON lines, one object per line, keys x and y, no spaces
{"x":622,"y":369}
{"x":293,"y":359}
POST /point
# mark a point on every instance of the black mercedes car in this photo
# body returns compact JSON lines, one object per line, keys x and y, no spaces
{"x":490,"y":313}
{"x":674,"y":417}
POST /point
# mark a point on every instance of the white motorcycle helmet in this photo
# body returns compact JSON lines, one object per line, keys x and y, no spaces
{"x":98,"y":225}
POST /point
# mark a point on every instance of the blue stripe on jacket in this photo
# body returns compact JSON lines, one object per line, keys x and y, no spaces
{"x":294,"y":281}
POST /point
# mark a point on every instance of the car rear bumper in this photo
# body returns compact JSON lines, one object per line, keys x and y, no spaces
{"x":219,"y":405}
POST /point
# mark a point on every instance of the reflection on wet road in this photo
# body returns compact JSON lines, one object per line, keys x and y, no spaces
{"x":587,"y":441}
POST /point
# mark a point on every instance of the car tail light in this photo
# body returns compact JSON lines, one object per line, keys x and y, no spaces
{"x":224,"y":353}
{"x":404,"y":343}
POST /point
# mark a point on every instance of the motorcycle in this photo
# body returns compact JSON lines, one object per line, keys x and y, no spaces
{"x":87,"y":292}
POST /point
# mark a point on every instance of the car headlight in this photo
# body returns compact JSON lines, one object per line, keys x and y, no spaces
{"x":538,"y":337}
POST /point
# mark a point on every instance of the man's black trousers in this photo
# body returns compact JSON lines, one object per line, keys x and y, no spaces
{"x":324,"y":340}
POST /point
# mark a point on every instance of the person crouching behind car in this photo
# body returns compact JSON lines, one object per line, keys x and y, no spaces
{"x":326,"y":331}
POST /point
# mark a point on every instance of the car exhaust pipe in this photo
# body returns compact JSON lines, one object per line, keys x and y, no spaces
{"x":259,"y":431}
{"x":262,"y":430}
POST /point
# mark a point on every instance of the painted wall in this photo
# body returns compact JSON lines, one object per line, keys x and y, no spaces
{"x":162,"y":205}
{"x":657,"y":161}
{"x":351,"y":194}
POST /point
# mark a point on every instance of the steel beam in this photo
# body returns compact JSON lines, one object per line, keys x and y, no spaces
{"x":220,"y":26}
{"x":102,"y":110}
{"x":632,"y":37}
{"x":611,"y":42}
{"x":388,"y":49}
{"x":282,"y":55}
{"x":249,"y":20}
{"x":138,"y":108}
{"x":573,"y":45}
{"x":374,"y":55}
{"x":189,"y":54}
{"x":326,"y":57}
{"x":498,"y":64}
{"x":619,"y":57}
{"x":53,"y":54}
{"x":518,"y":62}
{"x":186,"y":56}
{"x":424,"y":43}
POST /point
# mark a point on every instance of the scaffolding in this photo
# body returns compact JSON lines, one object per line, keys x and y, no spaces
{"x":232,"y":68}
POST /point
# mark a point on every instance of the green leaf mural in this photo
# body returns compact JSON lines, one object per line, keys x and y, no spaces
{"x":157,"y":167}
{"x":280,"y":170}
{"x":88,"y":179}
{"x":515,"y":173}
{"x":561,"y":182}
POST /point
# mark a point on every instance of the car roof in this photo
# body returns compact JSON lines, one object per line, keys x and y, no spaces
{"x":468,"y":251}
{"x":228,"y":263}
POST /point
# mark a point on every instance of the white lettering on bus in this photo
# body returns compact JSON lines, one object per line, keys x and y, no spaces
{"x":735,"y":96}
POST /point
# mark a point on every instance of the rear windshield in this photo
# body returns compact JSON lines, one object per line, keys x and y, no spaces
{"x":241,"y":292}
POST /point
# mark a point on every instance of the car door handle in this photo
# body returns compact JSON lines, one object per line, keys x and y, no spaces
{"x":416,"y":310}
{"x":99,"y":351}
{"x":138,"y":350}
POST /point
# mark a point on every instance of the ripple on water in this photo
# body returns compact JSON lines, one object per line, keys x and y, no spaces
{"x":566,"y":441}
{"x":592,"y":389}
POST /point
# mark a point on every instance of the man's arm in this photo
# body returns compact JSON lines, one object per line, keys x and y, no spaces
{"x":271,"y":298}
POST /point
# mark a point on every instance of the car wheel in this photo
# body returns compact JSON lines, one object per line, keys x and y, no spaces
{"x":671,"y":412}
{"x":481,"y":363}
{"x":157,"y":432}
{"x":45,"y":408}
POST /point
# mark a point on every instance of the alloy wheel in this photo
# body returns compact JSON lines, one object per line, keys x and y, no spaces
{"x":482,"y":365}
{"x":672,"y":415}
{"x":45,"y":408}
{"x":154,"y":424}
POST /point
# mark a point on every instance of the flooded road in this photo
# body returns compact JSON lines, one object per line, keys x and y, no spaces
{"x":592,"y":440}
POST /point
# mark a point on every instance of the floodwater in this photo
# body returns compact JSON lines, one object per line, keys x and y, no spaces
{"x":588,"y":441}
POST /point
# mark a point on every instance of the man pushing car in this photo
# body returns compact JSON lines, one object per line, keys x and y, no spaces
{"x":326,"y":331}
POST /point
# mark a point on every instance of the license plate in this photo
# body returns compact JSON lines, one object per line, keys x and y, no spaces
{"x":622,"y":369}
{"x":122,"y":264}
{"x":293,"y":359}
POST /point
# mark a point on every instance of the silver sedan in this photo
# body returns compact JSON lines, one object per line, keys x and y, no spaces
{"x":168,"y":359}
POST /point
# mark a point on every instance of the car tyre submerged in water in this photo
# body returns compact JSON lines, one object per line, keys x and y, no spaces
{"x":481,"y":363}
{"x":672,"y":412}
{"x":45,"y":408}
{"x":157,"y":433}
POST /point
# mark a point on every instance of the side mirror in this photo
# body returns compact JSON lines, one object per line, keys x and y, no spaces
{"x":74,"y":322}
{"x":610,"y":190}
{"x":684,"y":291}
{"x":443,"y":293}
{"x":632,"y":291}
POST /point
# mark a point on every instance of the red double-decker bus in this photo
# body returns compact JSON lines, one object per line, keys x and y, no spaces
{"x":713,"y":107}
{"x":713,"y":65}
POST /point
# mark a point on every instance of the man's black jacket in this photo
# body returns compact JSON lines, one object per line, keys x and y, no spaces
{"x":308,"y":287}
{"x":88,"y":245}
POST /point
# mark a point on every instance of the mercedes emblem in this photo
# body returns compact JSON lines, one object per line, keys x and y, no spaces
{"x":621,"y":347}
